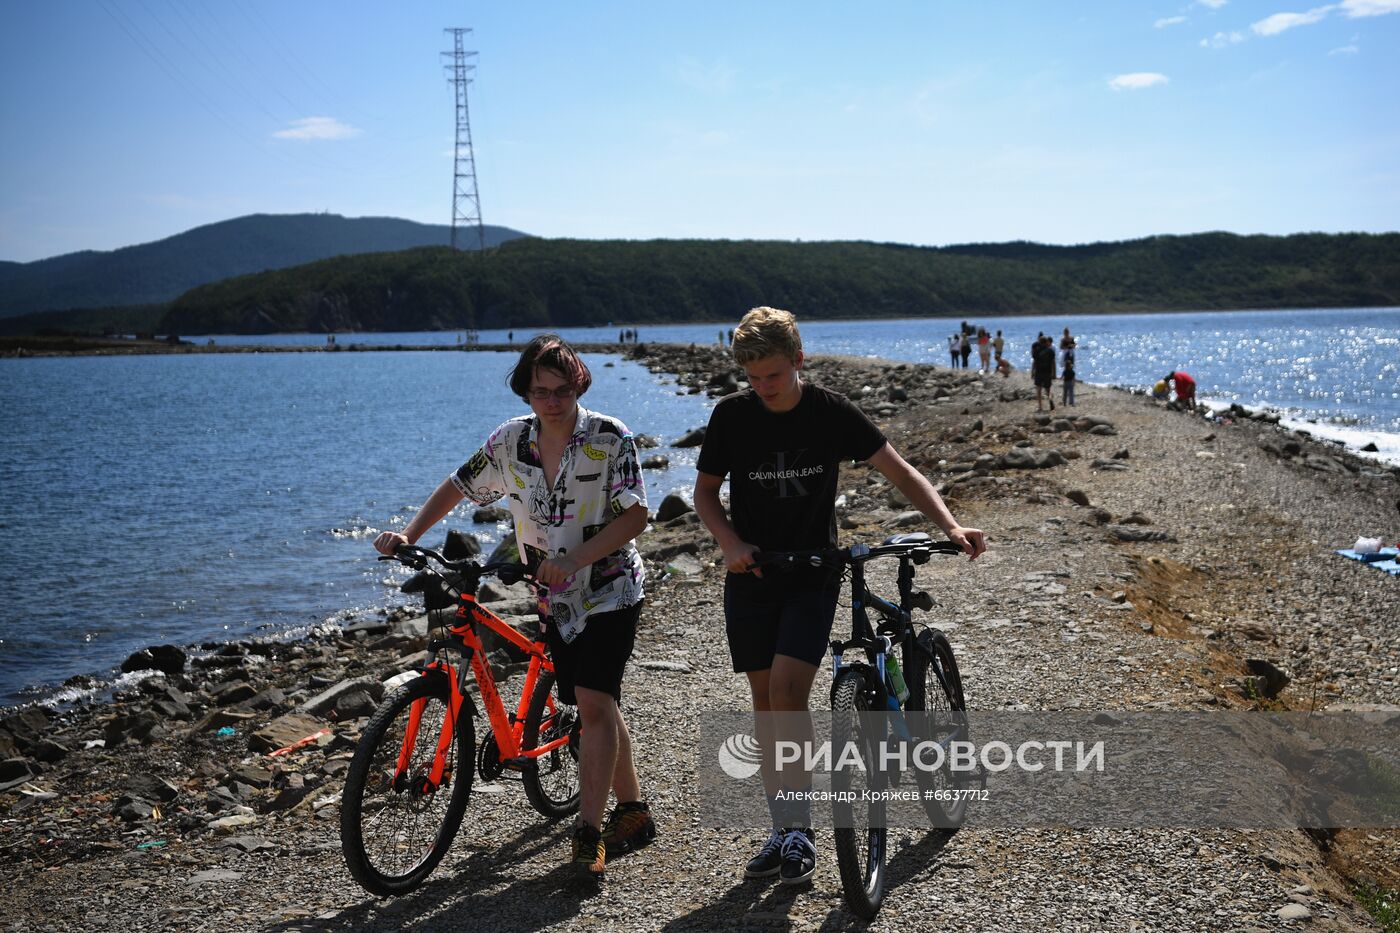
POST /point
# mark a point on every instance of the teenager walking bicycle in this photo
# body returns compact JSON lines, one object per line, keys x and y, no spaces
{"x":573,"y":485}
{"x":781,"y":442}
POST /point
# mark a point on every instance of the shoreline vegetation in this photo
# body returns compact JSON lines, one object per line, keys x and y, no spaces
{"x":1142,"y":558}
{"x":533,"y":282}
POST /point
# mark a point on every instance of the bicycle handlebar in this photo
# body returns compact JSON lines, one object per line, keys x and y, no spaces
{"x":918,"y":547}
{"x":411,"y":555}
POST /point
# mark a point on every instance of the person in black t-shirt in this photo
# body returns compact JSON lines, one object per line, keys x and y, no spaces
{"x":781,"y":442}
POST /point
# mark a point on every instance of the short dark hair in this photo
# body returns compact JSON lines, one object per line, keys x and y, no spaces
{"x":549,"y":351}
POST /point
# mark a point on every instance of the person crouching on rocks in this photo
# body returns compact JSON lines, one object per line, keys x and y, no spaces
{"x":1185,"y":388}
{"x":562,"y":458}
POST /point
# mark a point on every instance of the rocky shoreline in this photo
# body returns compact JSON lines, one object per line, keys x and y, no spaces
{"x":1141,"y":558}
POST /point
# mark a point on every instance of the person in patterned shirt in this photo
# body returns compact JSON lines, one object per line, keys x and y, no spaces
{"x":573,"y":484}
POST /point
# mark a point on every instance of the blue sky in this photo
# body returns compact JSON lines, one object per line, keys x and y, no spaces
{"x":126,"y":121}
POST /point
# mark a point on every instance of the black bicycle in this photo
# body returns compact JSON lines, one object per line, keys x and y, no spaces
{"x":874,"y":683}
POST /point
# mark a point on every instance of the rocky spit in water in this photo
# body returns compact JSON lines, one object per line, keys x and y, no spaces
{"x":1141,"y":558}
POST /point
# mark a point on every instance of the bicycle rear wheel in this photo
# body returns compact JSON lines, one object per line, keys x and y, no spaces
{"x":935,"y":689}
{"x":860,"y":824}
{"x":552,"y":785}
{"x":395,"y":825}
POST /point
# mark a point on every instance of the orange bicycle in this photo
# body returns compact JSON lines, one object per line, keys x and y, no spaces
{"x":407,"y":786}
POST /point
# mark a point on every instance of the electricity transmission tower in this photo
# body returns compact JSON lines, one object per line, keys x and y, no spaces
{"x":466,"y":203}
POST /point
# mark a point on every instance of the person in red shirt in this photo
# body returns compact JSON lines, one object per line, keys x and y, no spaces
{"x":1185,"y":388}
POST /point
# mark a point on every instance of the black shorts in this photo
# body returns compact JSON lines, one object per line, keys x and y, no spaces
{"x":787,"y":613}
{"x":596,"y":658}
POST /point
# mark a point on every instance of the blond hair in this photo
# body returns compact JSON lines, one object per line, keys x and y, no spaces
{"x":765,"y":332}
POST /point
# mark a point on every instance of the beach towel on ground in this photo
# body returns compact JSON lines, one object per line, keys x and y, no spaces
{"x":1387,"y":559}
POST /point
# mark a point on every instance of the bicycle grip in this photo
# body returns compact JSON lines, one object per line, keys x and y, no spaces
{"x":510,"y":574}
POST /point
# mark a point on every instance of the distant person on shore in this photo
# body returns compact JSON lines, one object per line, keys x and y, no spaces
{"x":1067,"y":344}
{"x":587,"y":558}
{"x":1160,"y":391}
{"x":1004,"y":367}
{"x":1067,"y":379}
{"x":984,"y":350}
{"x":1185,"y":388}
{"x":781,"y":442}
{"x":998,"y":345}
{"x":1043,"y":371}
{"x":952,"y":349}
{"x":965,"y":346}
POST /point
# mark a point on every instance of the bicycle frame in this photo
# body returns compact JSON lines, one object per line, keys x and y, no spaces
{"x":863,"y":634}
{"x":507,"y":728}
{"x":876,"y":646}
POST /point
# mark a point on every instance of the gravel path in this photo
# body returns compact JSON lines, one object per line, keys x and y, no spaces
{"x":1060,"y":614}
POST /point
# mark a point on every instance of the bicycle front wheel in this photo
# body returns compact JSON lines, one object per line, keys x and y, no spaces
{"x":860,"y":824}
{"x":935,"y":689}
{"x":396,"y":820}
{"x":552,"y":784}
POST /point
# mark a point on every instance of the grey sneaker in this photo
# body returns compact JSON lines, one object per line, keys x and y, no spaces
{"x":769,"y":859}
{"x":799,"y":857}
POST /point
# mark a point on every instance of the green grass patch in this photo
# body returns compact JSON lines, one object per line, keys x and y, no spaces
{"x":1381,"y":903}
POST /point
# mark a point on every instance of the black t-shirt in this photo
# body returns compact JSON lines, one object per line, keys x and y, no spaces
{"x":783,"y":468}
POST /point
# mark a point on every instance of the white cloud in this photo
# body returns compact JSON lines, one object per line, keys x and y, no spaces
{"x":1358,"y":8}
{"x":1168,"y":21}
{"x":1345,"y":50}
{"x":711,"y":79}
{"x":318,"y":128}
{"x":1279,"y":22}
{"x":1213,"y":4}
{"x":1136,"y":81}
{"x":1221,"y":39}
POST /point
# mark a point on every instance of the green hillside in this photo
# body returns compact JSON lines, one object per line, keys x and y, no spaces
{"x":533,"y":282}
{"x":158,"y":272}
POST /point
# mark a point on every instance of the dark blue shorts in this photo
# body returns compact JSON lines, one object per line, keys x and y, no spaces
{"x":787,"y":613}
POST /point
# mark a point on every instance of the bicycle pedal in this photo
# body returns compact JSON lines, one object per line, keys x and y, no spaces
{"x":520,"y":764}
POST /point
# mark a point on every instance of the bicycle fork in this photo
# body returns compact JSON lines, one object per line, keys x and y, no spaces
{"x":438,"y":773}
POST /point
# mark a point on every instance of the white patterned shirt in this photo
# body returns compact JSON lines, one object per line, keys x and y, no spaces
{"x":599,"y":478}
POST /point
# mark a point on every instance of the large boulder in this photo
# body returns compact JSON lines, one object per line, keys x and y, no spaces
{"x":343,"y":694}
{"x":1031,"y":458}
{"x":673,"y":506}
{"x":286,"y":730}
{"x":692,"y":439}
{"x":460,"y":545}
{"x":168,"y":659}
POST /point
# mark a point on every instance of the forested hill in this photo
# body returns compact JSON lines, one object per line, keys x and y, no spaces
{"x":533,"y":282}
{"x":160,"y":271}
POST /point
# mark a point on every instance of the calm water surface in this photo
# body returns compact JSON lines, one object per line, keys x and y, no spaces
{"x":184,"y":499}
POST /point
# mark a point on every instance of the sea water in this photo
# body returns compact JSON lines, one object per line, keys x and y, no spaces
{"x":185,"y":499}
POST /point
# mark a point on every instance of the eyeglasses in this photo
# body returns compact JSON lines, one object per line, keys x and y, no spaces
{"x":563,"y":393}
